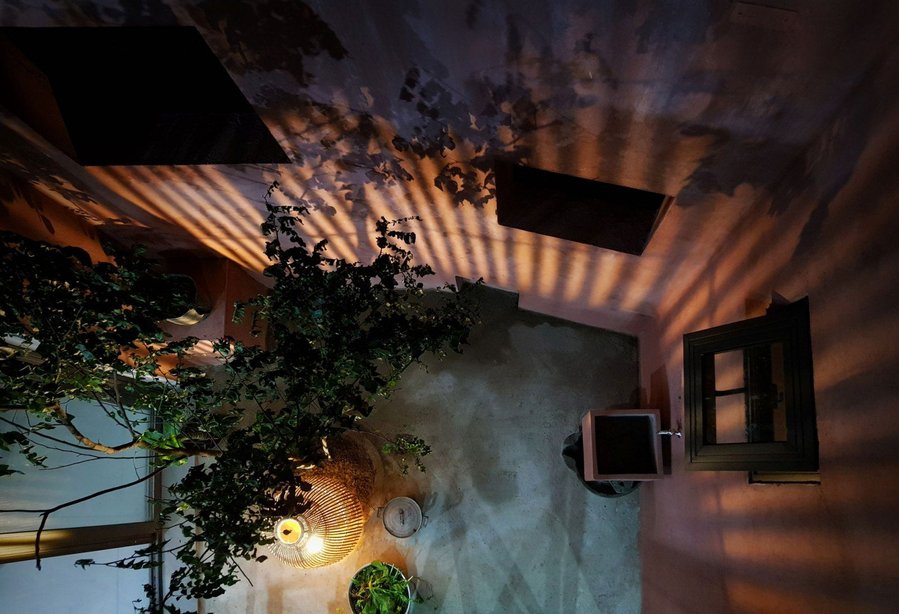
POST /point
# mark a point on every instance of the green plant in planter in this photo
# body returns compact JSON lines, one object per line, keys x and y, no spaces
{"x":379,"y":588}
{"x":340,"y":335}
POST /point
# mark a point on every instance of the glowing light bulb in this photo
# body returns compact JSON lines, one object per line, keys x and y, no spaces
{"x":315,"y":544}
{"x":289,"y":531}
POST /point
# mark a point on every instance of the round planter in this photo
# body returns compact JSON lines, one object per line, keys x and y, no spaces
{"x":397,"y":571}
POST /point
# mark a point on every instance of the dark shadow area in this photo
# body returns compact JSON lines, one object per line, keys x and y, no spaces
{"x":271,"y":35}
{"x":776,"y":158}
{"x":838,"y":150}
{"x":573,"y":455}
{"x":131,"y":95}
{"x":13,"y":189}
{"x":624,"y":444}
{"x":602,"y":214}
{"x":22,"y":160}
{"x":762,"y":161}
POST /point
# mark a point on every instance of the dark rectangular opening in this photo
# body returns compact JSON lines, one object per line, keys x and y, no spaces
{"x":624,"y":445}
{"x":131,"y":95}
{"x":602,"y":214}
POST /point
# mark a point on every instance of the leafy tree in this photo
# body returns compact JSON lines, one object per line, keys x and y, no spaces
{"x":339,"y":334}
{"x":96,"y":335}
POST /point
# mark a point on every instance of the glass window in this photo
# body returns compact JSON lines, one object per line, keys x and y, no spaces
{"x":749,"y":395}
{"x":60,"y":586}
{"x":38,"y":488}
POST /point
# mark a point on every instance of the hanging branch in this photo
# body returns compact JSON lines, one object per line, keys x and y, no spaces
{"x":45,"y":514}
{"x":30,"y":432}
{"x":341,"y":335}
{"x":66,"y":421}
{"x":95,"y":458}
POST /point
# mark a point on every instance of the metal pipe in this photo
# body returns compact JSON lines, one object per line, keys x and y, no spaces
{"x":675,"y":433}
{"x":671,"y":433}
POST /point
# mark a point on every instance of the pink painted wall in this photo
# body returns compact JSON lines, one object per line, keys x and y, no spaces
{"x":690,"y":100}
{"x":29,"y":212}
{"x":710,"y":541}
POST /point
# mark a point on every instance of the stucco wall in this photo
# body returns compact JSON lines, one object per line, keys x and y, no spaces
{"x":779,"y":143}
{"x":711,"y":542}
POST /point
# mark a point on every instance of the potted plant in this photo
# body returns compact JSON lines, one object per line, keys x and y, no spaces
{"x":381,"y":588}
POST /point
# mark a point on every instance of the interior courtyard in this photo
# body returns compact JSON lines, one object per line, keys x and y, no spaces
{"x":770,"y":132}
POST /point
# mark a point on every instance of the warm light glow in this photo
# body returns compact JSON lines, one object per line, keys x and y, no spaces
{"x":315,"y":544}
{"x":289,"y":531}
{"x":327,"y":531}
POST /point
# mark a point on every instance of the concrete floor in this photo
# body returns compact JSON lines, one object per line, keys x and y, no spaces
{"x":510,"y":527}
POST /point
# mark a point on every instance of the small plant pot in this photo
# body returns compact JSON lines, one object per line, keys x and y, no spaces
{"x":402,"y":517}
{"x":395,"y":573}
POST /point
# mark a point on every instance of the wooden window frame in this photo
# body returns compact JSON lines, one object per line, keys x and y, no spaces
{"x":786,"y":324}
{"x":19,"y":546}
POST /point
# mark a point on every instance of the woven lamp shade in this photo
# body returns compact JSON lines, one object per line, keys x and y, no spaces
{"x":332,"y":525}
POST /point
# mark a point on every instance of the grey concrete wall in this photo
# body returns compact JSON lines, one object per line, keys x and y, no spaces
{"x":510,"y":528}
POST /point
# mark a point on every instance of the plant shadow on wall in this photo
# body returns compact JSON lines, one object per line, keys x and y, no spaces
{"x":20,"y":160}
{"x":340,"y":335}
{"x":348,"y":151}
{"x":426,"y":126}
{"x":428,"y":129}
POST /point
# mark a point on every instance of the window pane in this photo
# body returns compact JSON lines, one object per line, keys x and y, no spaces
{"x":744,"y":400}
{"x":729,"y":370}
{"x":61,"y":587}
{"x":730,"y":419}
{"x":42,"y":488}
{"x":765,"y":383}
